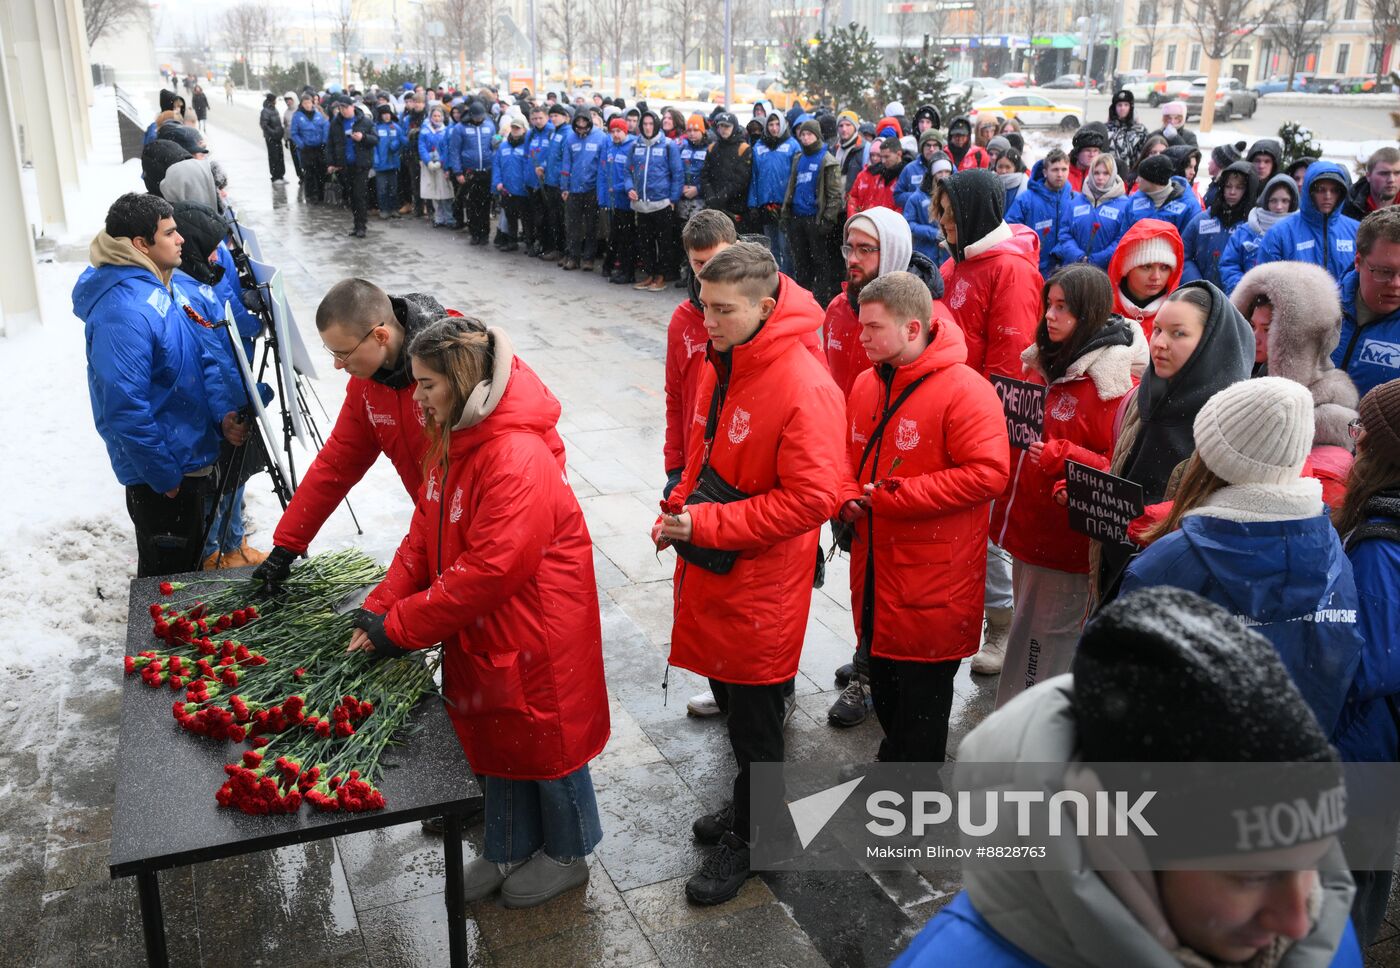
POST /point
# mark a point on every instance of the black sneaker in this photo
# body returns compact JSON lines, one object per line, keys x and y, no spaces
{"x":722,"y":874}
{"x":845,"y":673}
{"x":851,"y":708}
{"x":710,"y":828}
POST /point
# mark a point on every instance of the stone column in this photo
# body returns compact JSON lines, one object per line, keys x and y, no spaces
{"x":81,"y":68}
{"x":19,"y":289}
{"x":30,"y":101}
{"x":62,"y":94}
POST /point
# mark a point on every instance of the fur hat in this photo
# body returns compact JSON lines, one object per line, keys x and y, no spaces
{"x":1307,"y":318}
{"x":1256,"y":431}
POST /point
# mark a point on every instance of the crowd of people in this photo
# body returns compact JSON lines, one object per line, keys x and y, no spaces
{"x":1258,"y":413}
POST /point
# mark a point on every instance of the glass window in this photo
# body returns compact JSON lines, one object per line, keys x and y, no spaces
{"x":1177,"y":11}
{"x":1195,"y":58}
{"x":1140,"y":62}
{"x":1171,"y":57}
{"x":1343,"y":55}
{"x":1350,"y":11}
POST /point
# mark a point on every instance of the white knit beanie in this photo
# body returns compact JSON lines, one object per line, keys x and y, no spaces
{"x":1256,"y":431}
{"x":1148,"y":251}
{"x":894,"y":110}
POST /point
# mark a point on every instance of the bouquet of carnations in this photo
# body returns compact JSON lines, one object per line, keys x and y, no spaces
{"x":273,"y":672}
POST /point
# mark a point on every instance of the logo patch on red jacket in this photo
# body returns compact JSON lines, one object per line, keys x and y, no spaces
{"x":432,"y":491}
{"x":379,"y":419}
{"x":454,"y":513}
{"x":738,"y":426}
{"x":960,"y":292}
{"x":1064,"y":407}
{"x":906,"y":435}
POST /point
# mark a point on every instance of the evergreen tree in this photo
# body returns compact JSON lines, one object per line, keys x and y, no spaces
{"x":1298,"y":142}
{"x":840,"y":69}
{"x":293,"y":78}
{"x":395,"y":76}
{"x":921,"y":77}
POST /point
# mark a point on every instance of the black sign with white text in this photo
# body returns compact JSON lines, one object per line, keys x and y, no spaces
{"x":1024,"y":405}
{"x":1101,"y":505}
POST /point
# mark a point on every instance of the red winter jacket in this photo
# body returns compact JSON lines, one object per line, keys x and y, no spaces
{"x":498,"y":566}
{"x":1079,"y":413}
{"x":994,"y":295}
{"x":1146,"y":229}
{"x":872,"y":190}
{"x":845,"y":357}
{"x":929,"y":534}
{"x":976,"y":157}
{"x":686,"y":340}
{"x":1076,"y":177}
{"x":778,"y":438}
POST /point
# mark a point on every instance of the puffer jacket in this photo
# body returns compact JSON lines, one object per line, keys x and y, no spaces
{"x":469,"y":146}
{"x":947,"y":447}
{"x":1369,"y":354}
{"x":928,"y":236}
{"x":554,"y":157}
{"x":1122,"y":304}
{"x":510,"y":168}
{"x":432,"y":145}
{"x":158,"y":394}
{"x":537,"y":142}
{"x":655,"y":169}
{"x":1242,"y":252}
{"x":1366,"y":730}
{"x":693,"y":160}
{"x":389,"y":148}
{"x":1045,"y":212}
{"x":814,"y":187}
{"x":874,"y":188}
{"x":615,"y":174}
{"x":1325,"y":240}
{"x":1179,"y":209}
{"x":1093,"y":231}
{"x":1065,"y":914}
{"x":1080,"y":408}
{"x":772,"y":164}
{"x":778,"y":432}
{"x":309,"y":130}
{"x":992,"y":282}
{"x":583,"y":158}
{"x":1207,"y":235}
{"x":724,"y":181}
{"x":498,"y":566}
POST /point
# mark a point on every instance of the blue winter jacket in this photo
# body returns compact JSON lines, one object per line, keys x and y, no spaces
{"x":228,"y":289}
{"x":1367,"y":730}
{"x":205,"y":300}
{"x":389,"y":148}
{"x":537,"y":142}
{"x":1091,"y":232}
{"x":1179,"y":210}
{"x":509,"y":165}
{"x":1327,"y":241}
{"x":1204,"y":242}
{"x":309,"y":131}
{"x":1289,"y":580}
{"x":432,"y":142}
{"x":469,"y":146}
{"x":959,"y":935}
{"x":615,"y":175}
{"x":1043,"y":210}
{"x":772,"y":165}
{"x":158,"y":395}
{"x":1241,"y":254}
{"x":693,"y":161}
{"x":656,"y":169}
{"x":554,"y":158}
{"x":1370,"y":355}
{"x":582,"y":156}
{"x":911,"y":177}
{"x":924,"y":228}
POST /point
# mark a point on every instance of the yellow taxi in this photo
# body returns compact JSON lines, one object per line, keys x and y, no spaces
{"x":1032,"y":110}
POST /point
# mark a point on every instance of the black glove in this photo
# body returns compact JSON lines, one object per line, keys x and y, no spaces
{"x":373,"y":626}
{"x":673,"y":478}
{"x":275,"y":569}
{"x":253,"y":300}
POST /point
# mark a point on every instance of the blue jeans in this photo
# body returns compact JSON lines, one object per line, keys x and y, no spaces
{"x":386,"y":183}
{"x":523,"y":816}
{"x":777,"y":242}
{"x":232,"y":507}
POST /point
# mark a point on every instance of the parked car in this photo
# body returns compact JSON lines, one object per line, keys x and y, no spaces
{"x":1032,"y":110}
{"x":1175,"y":88}
{"x":1069,"y":82}
{"x":1366,"y":85}
{"x":1323,"y":85}
{"x":1231,"y":98}
{"x":978,"y":88}
{"x":1145,"y":87}
{"x":745,"y":94}
{"x":1278,"y":84}
{"x":1015,"y":79}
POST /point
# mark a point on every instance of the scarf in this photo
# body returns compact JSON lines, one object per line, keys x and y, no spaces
{"x":1013,"y":181}
{"x":1261,"y":219}
{"x":1096,"y":198}
{"x":1159,"y":196}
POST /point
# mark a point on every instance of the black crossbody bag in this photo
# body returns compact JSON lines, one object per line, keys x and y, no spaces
{"x":710,"y":488}
{"x":844,"y":533}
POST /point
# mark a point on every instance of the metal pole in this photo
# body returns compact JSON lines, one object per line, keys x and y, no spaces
{"x":728,"y":55}
{"x":534,"y":52}
{"x":1089,"y":62}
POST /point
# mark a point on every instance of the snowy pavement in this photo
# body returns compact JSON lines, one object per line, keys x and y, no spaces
{"x":66,"y":555}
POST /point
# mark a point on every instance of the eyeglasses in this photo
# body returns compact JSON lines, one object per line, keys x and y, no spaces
{"x":1383,"y":276}
{"x":864,"y":250}
{"x":343,"y":355}
{"x":1354,"y":429}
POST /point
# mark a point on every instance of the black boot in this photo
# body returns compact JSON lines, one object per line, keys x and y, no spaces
{"x":723,"y":873}
{"x":710,"y":828}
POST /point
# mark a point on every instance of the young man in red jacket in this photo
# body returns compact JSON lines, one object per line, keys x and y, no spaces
{"x":772,"y":428}
{"x":992,"y":286}
{"x":875,"y":184}
{"x":927,"y":454}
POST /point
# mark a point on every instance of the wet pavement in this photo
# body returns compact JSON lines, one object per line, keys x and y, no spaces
{"x":376,"y":898}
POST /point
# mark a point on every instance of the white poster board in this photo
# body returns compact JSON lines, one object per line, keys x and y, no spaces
{"x":283,"y":328}
{"x":271,"y":436}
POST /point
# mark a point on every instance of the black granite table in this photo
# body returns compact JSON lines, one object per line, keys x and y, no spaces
{"x":166,"y":816}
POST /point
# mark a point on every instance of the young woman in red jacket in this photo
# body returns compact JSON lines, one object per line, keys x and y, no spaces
{"x":1089,"y":359}
{"x":498,"y":567}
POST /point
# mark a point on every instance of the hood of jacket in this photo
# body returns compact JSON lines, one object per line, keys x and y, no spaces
{"x":202,"y":229}
{"x":413,"y":310}
{"x":511,"y":400}
{"x":922,"y":266}
{"x":979,"y":203}
{"x":767,"y":138}
{"x":947,"y":346}
{"x":1181,"y":156}
{"x":191,"y":181}
{"x":1147,"y":228}
{"x":1307,"y":211}
{"x":1269,"y":146}
{"x":157,"y":159}
{"x":1230,"y":216}
{"x":929,"y":112}
{"x":1066,"y":912}
{"x":107,"y":250}
{"x":1260,"y":218}
{"x":1116,"y":354}
{"x":1167,"y":408}
{"x":1037,"y":183}
{"x":657,"y":133}
{"x":1272,"y":571}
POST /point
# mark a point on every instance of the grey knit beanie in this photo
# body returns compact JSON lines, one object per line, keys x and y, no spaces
{"x":1256,"y":431}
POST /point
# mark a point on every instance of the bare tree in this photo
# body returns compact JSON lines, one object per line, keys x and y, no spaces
{"x":1221,"y":26}
{"x":1297,"y":27}
{"x":681,"y":28}
{"x":245,"y":27}
{"x":427,"y":34}
{"x":1385,"y":23}
{"x":1149,"y":29}
{"x":563,"y":26}
{"x":613,"y":22}
{"x":985,"y":17}
{"x":789,"y":22}
{"x":490,"y":31}
{"x":456,"y":17}
{"x":103,"y":16}
{"x":344,"y":34}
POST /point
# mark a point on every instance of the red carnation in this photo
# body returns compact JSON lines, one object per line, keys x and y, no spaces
{"x":344,"y":729}
{"x":129,"y":664}
{"x":323,"y":729}
{"x":299,"y":673}
{"x":166,"y":588}
{"x":252,"y":758}
{"x":258,"y":741}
